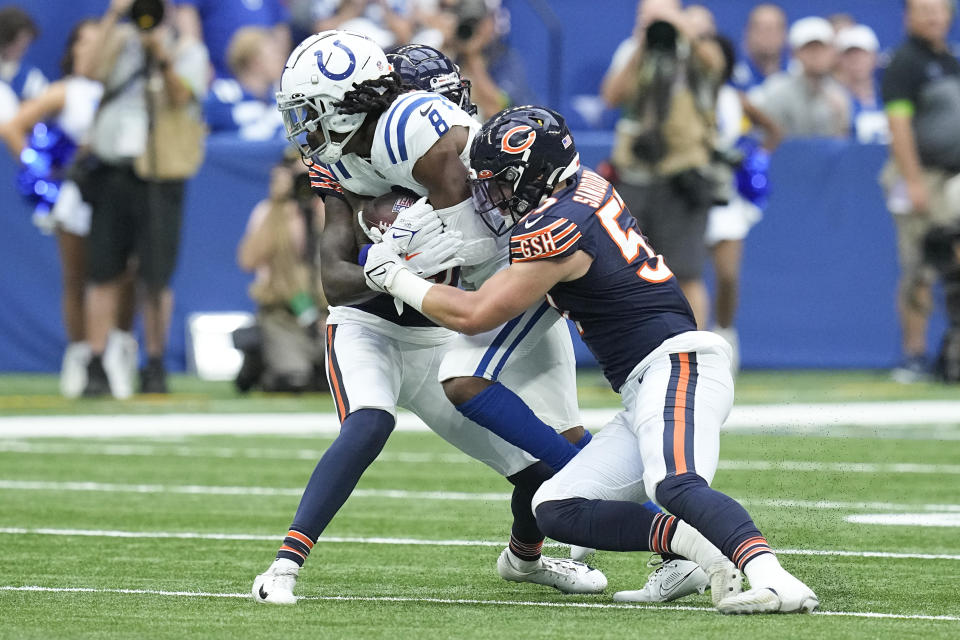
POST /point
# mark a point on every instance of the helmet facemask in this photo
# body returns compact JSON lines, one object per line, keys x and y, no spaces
{"x":303,"y":116}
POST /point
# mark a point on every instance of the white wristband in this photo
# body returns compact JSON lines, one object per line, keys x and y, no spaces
{"x":409,"y":288}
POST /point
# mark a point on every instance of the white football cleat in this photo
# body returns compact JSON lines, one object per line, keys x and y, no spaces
{"x":73,"y":370}
{"x":568,"y":576}
{"x":275,"y":585}
{"x":671,"y":580}
{"x":790,"y":596}
{"x":726,"y":581}
{"x":578,"y":553}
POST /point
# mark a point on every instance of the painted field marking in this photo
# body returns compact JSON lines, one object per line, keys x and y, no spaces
{"x":401,"y":494}
{"x":182,"y":451}
{"x":194,"y":535}
{"x":907,"y":519}
{"x":501,"y":603}
{"x":803,"y":417}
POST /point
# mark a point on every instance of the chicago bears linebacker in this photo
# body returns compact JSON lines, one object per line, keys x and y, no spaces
{"x":378,"y":358}
{"x":575,"y":244}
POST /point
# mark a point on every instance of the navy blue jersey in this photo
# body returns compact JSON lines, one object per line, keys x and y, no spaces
{"x":628,"y":302}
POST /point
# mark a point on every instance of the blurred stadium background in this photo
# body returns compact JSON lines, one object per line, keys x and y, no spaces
{"x":819,"y":272}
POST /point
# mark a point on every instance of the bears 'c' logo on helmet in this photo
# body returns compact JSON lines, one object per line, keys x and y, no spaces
{"x":523,"y":146}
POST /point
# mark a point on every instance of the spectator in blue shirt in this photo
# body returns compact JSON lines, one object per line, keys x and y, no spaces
{"x":764,"y":51}
{"x":17,"y":33}
{"x":244,"y":104}
{"x":856,"y":69}
{"x":214,"y":22}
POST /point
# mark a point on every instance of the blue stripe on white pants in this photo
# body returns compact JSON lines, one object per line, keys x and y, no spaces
{"x":527,"y":321}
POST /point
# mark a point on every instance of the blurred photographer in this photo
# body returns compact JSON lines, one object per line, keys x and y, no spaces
{"x":941,"y":249}
{"x":147,"y":140}
{"x":665,"y":80}
{"x":473,"y":34}
{"x":285,"y":351}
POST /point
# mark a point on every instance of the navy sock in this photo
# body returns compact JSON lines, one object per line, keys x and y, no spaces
{"x":584,"y":441}
{"x":717,"y":516}
{"x":526,"y":539}
{"x":503,"y":412}
{"x":608,"y":525}
{"x":363,"y":434}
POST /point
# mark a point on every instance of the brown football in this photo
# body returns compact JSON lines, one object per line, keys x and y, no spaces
{"x":380,"y":212}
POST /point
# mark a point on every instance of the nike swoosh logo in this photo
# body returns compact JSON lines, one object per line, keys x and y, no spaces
{"x":413,"y":255}
{"x":673,"y":581}
{"x":529,"y":223}
{"x":426,"y":110}
{"x":263,"y":594}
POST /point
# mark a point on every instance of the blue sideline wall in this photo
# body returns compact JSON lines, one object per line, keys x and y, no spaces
{"x":818,"y":284}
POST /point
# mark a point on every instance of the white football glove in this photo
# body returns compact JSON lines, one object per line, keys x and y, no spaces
{"x":372,"y":232}
{"x":414,"y":226}
{"x":381,"y":267}
{"x":435,"y":255}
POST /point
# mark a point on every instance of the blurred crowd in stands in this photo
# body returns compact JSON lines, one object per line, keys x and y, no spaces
{"x":690,"y":161}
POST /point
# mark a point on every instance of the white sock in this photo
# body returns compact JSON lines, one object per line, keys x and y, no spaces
{"x":519,"y":563}
{"x":764,"y":571}
{"x":690,"y":543}
{"x":286,"y":564}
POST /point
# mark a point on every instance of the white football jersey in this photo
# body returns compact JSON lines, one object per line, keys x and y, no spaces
{"x":405,"y":132}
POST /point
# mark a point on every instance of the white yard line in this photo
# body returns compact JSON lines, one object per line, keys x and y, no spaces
{"x":803,"y":418}
{"x":194,"y":535}
{"x":502,"y":603}
{"x":183,"y":451}
{"x":906,"y":519}
{"x":401,"y":494}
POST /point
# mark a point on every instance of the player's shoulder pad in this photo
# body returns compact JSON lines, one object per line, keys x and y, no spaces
{"x":412,"y":124}
{"x":323,"y":181}
{"x":544,"y":234}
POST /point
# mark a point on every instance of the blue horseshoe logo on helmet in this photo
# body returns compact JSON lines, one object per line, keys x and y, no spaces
{"x":337,"y":76}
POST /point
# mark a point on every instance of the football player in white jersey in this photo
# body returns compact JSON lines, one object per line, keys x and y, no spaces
{"x":379,"y":358}
{"x":378,"y":135}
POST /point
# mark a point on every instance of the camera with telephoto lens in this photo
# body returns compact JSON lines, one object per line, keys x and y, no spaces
{"x":659,"y":62}
{"x":146,"y":14}
{"x":469,"y":14}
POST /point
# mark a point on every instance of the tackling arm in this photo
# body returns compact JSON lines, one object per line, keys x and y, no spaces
{"x":504,"y":296}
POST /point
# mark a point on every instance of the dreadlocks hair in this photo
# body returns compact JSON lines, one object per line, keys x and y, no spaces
{"x":374,"y":96}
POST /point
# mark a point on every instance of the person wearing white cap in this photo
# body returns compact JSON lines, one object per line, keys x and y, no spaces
{"x":808,"y":102}
{"x":856,"y":69}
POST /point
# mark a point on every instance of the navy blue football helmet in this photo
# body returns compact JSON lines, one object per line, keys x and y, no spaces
{"x":428,"y":69}
{"x":517,"y":159}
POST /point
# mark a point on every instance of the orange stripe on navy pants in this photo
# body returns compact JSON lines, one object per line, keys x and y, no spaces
{"x":678,"y":412}
{"x":336,"y":377}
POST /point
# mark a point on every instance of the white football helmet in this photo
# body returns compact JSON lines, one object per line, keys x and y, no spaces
{"x":319,"y":72}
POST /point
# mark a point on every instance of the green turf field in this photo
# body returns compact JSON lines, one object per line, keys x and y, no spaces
{"x":160,"y":537}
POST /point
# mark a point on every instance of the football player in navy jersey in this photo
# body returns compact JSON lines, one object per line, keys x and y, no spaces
{"x":575,"y":244}
{"x":337,"y":93}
